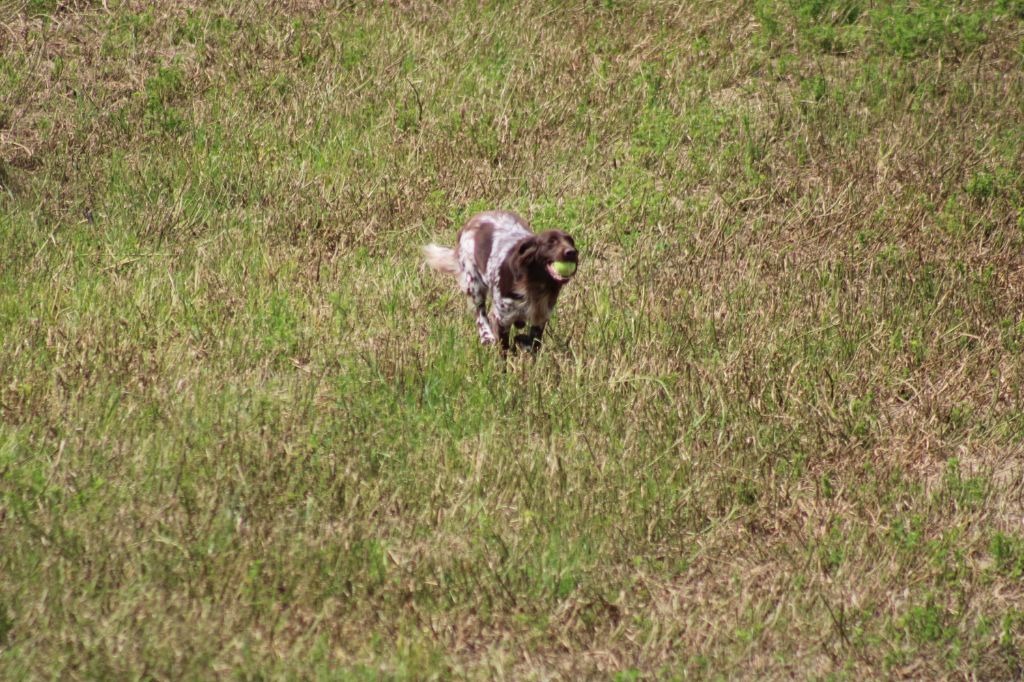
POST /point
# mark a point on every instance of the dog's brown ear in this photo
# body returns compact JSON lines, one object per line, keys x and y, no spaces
{"x":527,"y":247}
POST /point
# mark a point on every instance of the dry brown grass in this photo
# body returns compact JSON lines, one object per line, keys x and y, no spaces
{"x":777,"y":432}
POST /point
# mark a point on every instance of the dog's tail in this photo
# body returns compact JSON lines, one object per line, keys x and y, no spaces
{"x":441,"y":258}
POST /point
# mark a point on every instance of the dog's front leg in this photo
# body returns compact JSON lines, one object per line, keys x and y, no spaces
{"x":483,"y":326}
{"x":501,"y":331}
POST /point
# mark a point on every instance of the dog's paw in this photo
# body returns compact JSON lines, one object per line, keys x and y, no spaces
{"x":487,"y":339}
{"x":527,"y":343}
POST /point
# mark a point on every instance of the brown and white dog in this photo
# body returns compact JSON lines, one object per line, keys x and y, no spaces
{"x":497,"y":252}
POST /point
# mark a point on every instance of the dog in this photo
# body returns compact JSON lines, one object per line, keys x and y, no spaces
{"x":496,"y":252}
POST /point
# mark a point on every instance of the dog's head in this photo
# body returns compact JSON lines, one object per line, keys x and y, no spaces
{"x":540,"y":253}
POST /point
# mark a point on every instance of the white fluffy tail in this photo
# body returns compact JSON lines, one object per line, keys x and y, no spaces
{"x":441,"y":258}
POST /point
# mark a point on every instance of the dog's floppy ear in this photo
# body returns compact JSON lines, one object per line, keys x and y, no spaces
{"x":527,"y":247}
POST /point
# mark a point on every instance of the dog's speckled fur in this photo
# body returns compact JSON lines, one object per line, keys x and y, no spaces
{"x":497,"y":253}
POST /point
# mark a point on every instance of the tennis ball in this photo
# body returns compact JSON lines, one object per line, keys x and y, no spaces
{"x":563,"y":268}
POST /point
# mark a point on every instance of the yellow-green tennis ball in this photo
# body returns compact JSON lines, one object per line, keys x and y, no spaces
{"x":563,"y":268}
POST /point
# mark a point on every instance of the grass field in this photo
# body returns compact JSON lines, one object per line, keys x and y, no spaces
{"x":777,"y":430}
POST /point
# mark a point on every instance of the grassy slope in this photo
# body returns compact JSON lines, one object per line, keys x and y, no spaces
{"x":777,"y":431}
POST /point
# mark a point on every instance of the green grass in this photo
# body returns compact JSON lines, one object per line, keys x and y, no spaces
{"x":776,"y":431}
